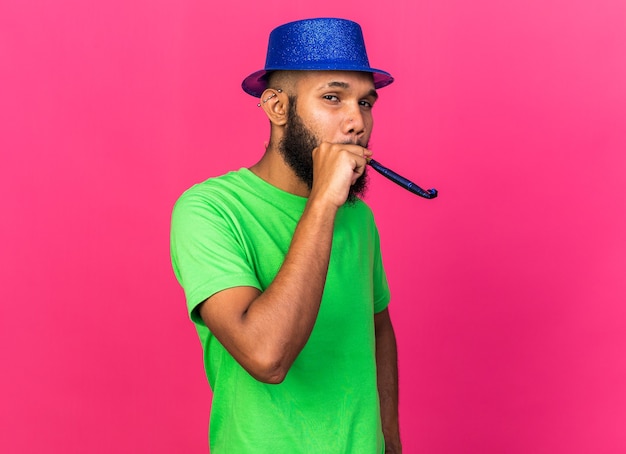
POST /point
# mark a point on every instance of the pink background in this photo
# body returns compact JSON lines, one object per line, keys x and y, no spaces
{"x":508,"y":290}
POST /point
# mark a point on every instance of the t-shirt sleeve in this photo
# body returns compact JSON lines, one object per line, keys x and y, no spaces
{"x":206,"y":249}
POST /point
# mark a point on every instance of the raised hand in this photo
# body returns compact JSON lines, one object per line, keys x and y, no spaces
{"x":336,"y":167}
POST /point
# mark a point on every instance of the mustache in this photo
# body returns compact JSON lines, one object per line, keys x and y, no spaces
{"x":350,"y":142}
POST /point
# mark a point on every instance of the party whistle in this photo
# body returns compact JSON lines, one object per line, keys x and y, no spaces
{"x":400,"y":180}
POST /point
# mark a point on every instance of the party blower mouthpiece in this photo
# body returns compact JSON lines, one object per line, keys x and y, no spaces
{"x":400,"y":180}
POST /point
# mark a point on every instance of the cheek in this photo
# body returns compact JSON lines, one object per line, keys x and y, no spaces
{"x":325,"y":126}
{"x":368,"y":121}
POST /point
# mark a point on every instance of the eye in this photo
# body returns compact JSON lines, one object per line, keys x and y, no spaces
{"x":331,"y":98}
{"x":365,"y":103}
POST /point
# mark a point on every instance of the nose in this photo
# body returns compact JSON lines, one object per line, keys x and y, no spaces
{"x":355,"y":122}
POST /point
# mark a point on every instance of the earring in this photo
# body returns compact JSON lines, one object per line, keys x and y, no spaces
{"x":273,"y":95}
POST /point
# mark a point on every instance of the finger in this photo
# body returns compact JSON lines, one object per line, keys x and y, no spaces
{"x":359,"y":150}
{"x":359,"y":167}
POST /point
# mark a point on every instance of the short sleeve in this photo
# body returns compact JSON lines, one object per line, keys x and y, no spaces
{"x":206,"y":249}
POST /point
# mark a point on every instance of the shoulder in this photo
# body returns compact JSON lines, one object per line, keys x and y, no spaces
{"x":214,"y":191}
{"x":215,"y":185}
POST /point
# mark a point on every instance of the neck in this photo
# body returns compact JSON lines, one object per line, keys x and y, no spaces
{"x":273,"y":169}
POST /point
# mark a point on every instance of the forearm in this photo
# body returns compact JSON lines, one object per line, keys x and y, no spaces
{"x":283,"y":315}
{"x":387,"y":371}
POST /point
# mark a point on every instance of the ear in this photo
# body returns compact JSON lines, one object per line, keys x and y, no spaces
{"x":275,"y":103}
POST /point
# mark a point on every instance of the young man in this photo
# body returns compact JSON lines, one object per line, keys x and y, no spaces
{"x":281,"y":263}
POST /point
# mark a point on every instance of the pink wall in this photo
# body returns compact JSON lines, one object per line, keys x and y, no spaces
{"x":508,"y":290}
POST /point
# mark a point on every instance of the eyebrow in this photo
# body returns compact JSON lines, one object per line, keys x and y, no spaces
{"x":338,"y":84}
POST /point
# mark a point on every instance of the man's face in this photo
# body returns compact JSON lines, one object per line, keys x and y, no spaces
{"x":330,"y":106}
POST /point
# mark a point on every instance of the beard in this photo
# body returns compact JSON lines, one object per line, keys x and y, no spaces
{"x":297,"y":146}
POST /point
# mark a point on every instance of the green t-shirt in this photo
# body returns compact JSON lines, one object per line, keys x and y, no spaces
{"x":235,"y":230}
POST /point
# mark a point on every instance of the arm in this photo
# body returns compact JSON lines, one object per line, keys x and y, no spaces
{"x":265,"y":331}
{"x":387,"y":367}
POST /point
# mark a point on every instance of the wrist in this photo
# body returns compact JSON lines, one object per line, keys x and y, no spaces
{"x":321,"y":206}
